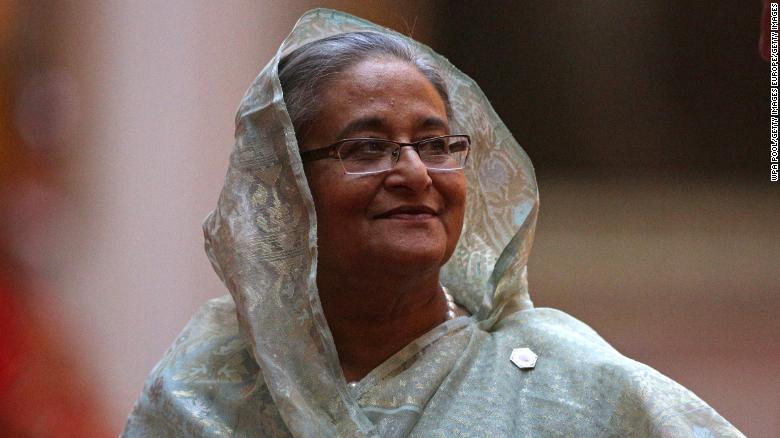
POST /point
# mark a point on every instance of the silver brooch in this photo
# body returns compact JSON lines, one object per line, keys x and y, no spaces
{"x":524,"y":358}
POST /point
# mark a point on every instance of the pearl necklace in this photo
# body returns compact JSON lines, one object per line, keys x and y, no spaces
{"x":451,"y":309}
{"x":450,"y":304}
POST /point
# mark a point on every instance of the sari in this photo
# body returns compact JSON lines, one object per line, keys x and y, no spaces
{"x":262,"y":361}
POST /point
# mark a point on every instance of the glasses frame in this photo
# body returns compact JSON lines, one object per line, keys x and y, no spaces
{"x":332,"y":151}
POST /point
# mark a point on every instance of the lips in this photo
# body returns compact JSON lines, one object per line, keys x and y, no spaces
{"x":408,"y":212}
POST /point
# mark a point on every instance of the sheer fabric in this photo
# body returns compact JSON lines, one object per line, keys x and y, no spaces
{"x":263,"y":363}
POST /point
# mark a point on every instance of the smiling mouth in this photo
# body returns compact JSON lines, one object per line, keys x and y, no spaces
{"x":408,"y":213}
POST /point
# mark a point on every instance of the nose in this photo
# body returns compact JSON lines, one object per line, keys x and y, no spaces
{"x":409,"y":172}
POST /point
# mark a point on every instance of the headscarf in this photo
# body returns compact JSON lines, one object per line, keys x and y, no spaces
{"x":274,"y":369}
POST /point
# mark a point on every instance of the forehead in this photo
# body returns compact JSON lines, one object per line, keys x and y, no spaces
{"x":392,"y":93}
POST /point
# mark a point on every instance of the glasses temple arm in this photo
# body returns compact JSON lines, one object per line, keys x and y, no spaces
{"x":318,"y":154}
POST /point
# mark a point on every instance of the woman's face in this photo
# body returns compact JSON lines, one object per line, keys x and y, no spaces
{"x":406,"y":220}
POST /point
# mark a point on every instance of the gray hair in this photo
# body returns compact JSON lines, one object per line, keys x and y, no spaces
{"x":304,"y":71}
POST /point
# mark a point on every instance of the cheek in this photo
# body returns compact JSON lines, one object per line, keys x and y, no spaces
{"x":316,"y":194}
{"x":454,"y":192}
{"x":318,"y":185}
{"x":338,"y":203}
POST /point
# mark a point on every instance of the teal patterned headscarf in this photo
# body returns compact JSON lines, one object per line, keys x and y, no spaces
{"x":263,"y":362}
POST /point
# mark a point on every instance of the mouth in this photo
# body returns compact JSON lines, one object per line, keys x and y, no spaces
{"x":408,"y":212}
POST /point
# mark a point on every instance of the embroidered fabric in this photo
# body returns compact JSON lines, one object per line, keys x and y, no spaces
{"x":263,"y":363}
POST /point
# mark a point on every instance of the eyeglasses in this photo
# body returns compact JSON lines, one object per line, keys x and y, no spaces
{"x":362,"y":156}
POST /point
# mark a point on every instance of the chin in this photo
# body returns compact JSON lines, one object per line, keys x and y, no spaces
{"x":413,"y":256}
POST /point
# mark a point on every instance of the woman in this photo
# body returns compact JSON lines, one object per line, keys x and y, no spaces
{"x":344,"y":211}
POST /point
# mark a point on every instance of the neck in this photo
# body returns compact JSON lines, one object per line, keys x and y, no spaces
{"x":372,"y":319}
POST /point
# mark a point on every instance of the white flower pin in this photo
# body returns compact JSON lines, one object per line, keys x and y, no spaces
{"x":524,"y":358}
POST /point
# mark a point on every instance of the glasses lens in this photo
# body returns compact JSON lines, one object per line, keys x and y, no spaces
{"x":367,"y":155}
{"x":445,"y":153}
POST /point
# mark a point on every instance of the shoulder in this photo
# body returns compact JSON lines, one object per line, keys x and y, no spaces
{"x":211,"y":338}
{"x":205,"y":381}
{"x":578,"y":366}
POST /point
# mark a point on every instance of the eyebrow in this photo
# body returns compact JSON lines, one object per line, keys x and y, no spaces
{"x":435,"y":122}
{"x":370,"y":123}
{"x":373,"y":123}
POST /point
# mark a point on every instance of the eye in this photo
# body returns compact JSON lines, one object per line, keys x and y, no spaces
{"x":459,"y":146}
{"x":435,"y":146}
{"x":371,"y":146}
{"x":364,"y":149}
{"x":445,"y":153}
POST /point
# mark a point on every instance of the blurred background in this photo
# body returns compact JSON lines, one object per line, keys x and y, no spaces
{"x":647,"y":124}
